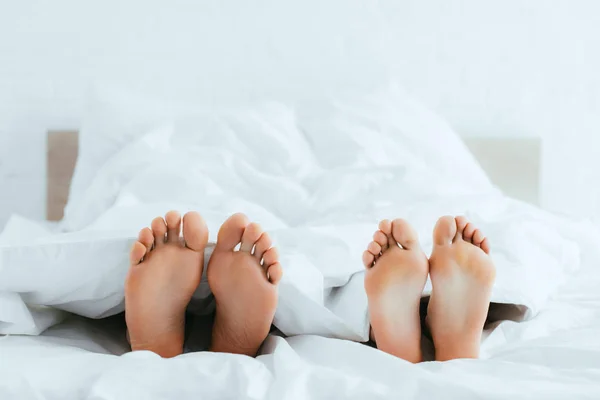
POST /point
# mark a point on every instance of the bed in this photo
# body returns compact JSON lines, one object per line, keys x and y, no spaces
{"x":513,"y":164}
{"x":64,"y":331}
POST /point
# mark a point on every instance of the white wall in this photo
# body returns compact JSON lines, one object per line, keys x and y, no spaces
{"x":523,"y":68}
{"x":491,"y":68}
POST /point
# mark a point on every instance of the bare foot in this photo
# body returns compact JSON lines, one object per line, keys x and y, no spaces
{"x":462,"y":274}
{"x":165,"y":271}
{"x":244,"y":284}
{"x":394,"y":284}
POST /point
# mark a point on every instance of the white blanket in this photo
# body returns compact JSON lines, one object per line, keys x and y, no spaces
{"x":320,"y":199}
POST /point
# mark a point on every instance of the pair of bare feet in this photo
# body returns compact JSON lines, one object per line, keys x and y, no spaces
{"x":166,"y":269}
{"x":462,"y":275}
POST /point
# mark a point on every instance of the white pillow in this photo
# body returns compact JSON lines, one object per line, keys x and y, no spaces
{"x":112,"y":119}
{"x":381,"y":128}
{"x":290,"y":52}
{"x":265,"y":136}
{"x":384,"y":128}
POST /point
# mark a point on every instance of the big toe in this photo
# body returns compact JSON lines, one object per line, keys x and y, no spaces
{"x":405,"y":234}
{"x":444,"y":231}
{"x":195,"y":232}
{"x":231,"y":232}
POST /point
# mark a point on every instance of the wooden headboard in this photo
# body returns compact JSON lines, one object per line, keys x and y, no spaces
{"x":513,"y":164}
{"x":61,"y":158}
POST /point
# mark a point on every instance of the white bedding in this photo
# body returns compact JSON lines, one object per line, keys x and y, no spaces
{"x":319,"y":186}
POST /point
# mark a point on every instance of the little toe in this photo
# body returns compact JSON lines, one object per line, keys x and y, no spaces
{"x":404,"y":234}
{"x":173,"y":219}
{"x":138,"y":251}
{"x":146,"y":238}
{"x":195,"y":232}
{"x":159,"y":229}
{"x":374,"y":248}
{"x":368,"y":259}
{"x":250,"y":236}
{"x":231,"y":232}
{"x":468,"y":232}
{"x":263,"y":244}
{"x":380,"y":238}
{"x":271,"y":256}
{"x":275,"y":273}
{"x":444,"y":231}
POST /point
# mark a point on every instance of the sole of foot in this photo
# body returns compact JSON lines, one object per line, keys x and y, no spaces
{"x":164,"y":272}
{"x":244,"y":283}
{"x":396,"y":275}
{"x":462,"y":275}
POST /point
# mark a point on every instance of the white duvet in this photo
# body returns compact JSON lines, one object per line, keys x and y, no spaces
{"x":318,"y":184}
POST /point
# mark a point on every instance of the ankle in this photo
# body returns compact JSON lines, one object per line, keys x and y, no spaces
{"x":223,"y":346}
{"x":224,"y":342}
{"x":407,"y":348}
{"x":450,"y":349}
{"x":166,"y":346}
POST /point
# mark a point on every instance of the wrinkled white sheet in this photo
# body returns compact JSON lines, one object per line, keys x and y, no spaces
{"x":321,"y":216}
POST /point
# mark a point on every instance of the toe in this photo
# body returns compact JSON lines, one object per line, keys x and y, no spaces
{"x":444,"y":231}
{"x":405,"y":234}
{"x":368,"y":259}
{"x":137,"y":253}
{"x":275,"y":273}
{"x":271,"y":256}
{"x":231,"y":232}
{"x":485,"y":245}
{"x":263,"y":244}
{"x":250,"y":236}
{"x":380,"y":238}
{"x":461,"y":222}
{"x":195,"y":232}
{"x":146,"y":238}
{"x":478,"y":237}
{"x":392,"y":242}
{"x":374,"y":248}
{"x":467,"y":234}
{"x":159,"y":229}
{"x":385,"y":226}
{"x":173,"y":219}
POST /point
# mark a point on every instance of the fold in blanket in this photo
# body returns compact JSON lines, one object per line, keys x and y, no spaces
{"x":320,"y":219}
